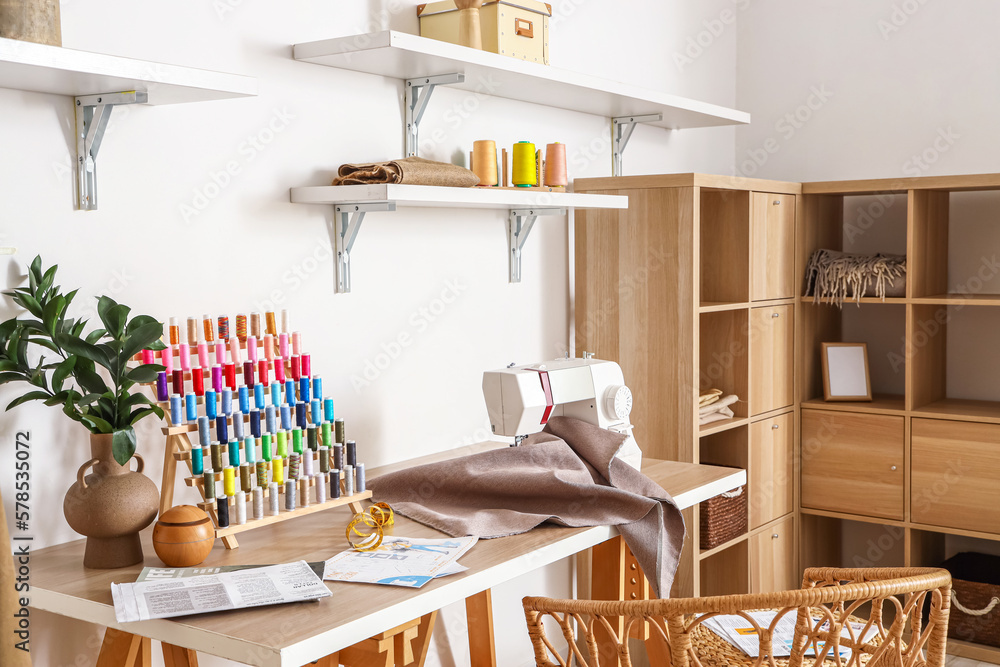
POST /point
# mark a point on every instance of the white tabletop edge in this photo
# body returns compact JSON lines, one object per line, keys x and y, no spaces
{"x":694,"y":496}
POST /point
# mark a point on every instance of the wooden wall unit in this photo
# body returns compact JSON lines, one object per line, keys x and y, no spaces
{"x":694,"y":287}
{"x":911,"y":477}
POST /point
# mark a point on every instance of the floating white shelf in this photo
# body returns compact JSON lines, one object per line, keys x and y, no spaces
{"x":404,"y":56}
{"x":351,"y":203}
{"x":41,"y":68}
{"x":439,"y":197}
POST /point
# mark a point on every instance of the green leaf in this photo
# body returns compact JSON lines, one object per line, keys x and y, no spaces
{"x":123,"y":445}
{"x":96,"y":423}
{"x":157,"y":345}
{"x":14,"y":346}
{"x":30,"y":396}
{"x":35,"y":272}
{"x":95,"y":335}
{"x":87,"y":399}
{"x":71,"y":296}
{"x":113,"y":315}
{"x":7,"y":365}
{"x":143,"y":374}
{"x":141,"y":338}
{"x":145,"y":412}
{"x":6,"y":329}
{"x":61,"y":372}
{"x":46,"y":282}
{"x":84,"y":349}
{"x":12,"y":377}
{"x":140,"y":320}
{"x":52,"y":312}
{"x":29,"y":303}
{"x":77,"y":329}
{"x":88,"y":377}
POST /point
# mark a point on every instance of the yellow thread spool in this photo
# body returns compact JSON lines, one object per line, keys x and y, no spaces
{"x":229,"y":480}
{"x":278,"y":471}
{"x":484,"y":161}
{"x":524,"y":168}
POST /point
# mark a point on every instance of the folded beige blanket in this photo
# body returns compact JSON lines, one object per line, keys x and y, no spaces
{"x":717,"y":411}
{"x":709,"y":396}
{"x":567,"y":474}
{"x":408,"y":171}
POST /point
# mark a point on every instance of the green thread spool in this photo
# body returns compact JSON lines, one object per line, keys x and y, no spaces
{"x":297,"y":440}
{"x":265,"y":446}
{"x":339,"y":430}
{"x":327,"y":435}
{"x":324,"y":459}
{"x":262,"y":474}
{"x":525,"y":174}
{"x":312,"y":439}
{"x":282,"y":444}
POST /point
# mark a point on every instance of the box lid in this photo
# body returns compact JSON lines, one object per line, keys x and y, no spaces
{"x":449,"y":6}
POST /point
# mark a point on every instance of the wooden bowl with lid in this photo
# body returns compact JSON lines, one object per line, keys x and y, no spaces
{"x":183,"y":537}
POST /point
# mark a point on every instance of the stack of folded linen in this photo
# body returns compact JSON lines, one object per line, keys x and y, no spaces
{"x":713,"y":406}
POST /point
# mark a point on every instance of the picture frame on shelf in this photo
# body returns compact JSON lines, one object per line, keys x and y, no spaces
{"x":845,"y":372}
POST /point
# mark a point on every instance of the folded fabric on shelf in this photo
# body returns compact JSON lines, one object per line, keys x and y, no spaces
{"x":708,"y":397}
{"x":835,"y":276}
{"x":567,"y":474}
{"x":718,"y":410}
{"x":406,"y":171}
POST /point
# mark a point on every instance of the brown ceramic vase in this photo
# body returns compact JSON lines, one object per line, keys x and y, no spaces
{"x":110,"y":506}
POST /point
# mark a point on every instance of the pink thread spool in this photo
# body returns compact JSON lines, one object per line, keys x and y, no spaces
{"x":252,"y":348}
{"x":269,"y":347}
{"x":296,"y":343}
{"x":148,"y":357}
{"x":185,"y":353}
{"x":203,"y":354}
{"x":283,"y":344}
{"x":220,"y":353}
{"x":234,"y":351}
{"x":279,"y":370}
{"x":167,"y":359}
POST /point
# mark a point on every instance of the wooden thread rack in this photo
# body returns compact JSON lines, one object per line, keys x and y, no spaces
{"x":178,"y":447}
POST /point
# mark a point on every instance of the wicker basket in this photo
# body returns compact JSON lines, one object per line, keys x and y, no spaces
{"x":723,"y":518}
{"x":976,"y":589}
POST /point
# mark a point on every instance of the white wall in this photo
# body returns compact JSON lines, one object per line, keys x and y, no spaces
{"x":249,"y":245}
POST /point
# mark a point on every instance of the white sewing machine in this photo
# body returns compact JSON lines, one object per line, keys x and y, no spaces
{"x":521,"y":399}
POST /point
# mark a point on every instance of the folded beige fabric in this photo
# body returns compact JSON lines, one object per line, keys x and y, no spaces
{"x":408,"y":171}
{"x":724,"y":413}
{"x":709,"y":396}
{"x":719,"y":405}
{"x":567,"y":474}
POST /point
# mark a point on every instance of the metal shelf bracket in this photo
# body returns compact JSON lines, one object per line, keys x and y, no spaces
{"x":347,"y":222}
{"x":519,"y":224}
{"x":418,"y":93}
{"x":621,"y":131}
{"x":92,"y":115}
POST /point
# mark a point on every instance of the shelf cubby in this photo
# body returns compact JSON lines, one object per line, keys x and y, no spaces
{"x":724,"y":355}
{"x":725,"y":247}
{"x":727,"y":572}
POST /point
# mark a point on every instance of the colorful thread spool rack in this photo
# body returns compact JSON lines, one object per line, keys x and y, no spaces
{"x":178,"y":447}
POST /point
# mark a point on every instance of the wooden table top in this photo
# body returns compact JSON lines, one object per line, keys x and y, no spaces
{"x":293,"y":635}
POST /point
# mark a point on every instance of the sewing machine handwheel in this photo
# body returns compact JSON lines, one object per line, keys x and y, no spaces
{"x":618,"y":402}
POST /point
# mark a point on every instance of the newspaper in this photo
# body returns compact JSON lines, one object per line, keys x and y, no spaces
{"x":400,"y":561}
{"x":162,"y":573}
{"x":739,"y":632}
{"x":273,"y":584}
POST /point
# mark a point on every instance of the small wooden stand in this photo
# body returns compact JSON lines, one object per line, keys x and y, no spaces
{"x":178,"y":447}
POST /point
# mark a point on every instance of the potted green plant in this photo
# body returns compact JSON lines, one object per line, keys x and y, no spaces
{"x":87,"y":374}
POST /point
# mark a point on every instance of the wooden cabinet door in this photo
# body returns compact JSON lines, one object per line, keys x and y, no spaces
{"x":772,"y":256}
{"x":772,"y":559}
{"x":852,"y":463}
{"x":955,"y":474}
{"x":770,"y":469}
{"x":772,"y":332}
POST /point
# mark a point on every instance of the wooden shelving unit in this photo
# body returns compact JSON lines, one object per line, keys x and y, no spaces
{"x":730,"y":298}
{"x":910,"y":478}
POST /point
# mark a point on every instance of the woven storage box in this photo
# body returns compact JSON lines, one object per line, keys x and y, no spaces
{"x":975,"y":582}
{"x":723,"y":518}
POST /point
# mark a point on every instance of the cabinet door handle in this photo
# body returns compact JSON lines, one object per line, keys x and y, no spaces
{"x":776,"y":202}
{"x":893,"y":468}
{"x":774,"y":427}
{"x":774,"y":536}
{"x":775,"y":314}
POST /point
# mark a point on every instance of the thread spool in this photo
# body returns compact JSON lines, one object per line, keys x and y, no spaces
{"x":272,"y":499}
{"x":222,"y":509}
{"x":316,"y":412}
{"x":351,"y":450}
{"x":258,"y":397}
{"x":303,"y":492}
{"x":216,"y":449}
{"x":198,"y":381}
{"x":281,"y":444}
{"x":148,"y":357}
{"x":295,"y":367}
{"x":162,"y":387}
{"x":208,"y":483}
{"x":348,"y":480}
{"x":484,"y":161}
{"x":238,"y":427}
{"x":334,"y":484}
{"x":234,"y":452}
{"x":284,"y":320}
{"x":312,"y":439}
{"x":249,"y":374}
{"x":265,"y":447}
{"x":276,"y":394}
{"x":184,"y":351}
{"x":338,"y":456}
{"x":296,"y":343}
{"x":176,"y":410}
{"x":258,"y":503}
{"x":229,"y":371}
{"x":227,"y":401}
{"x":241,"y":509}
{"x":246,"y":477}
{"x":235,"y":353}
{"x":203,"y":435}
{"x":278,"y":470}
{"x":221,"y":428}
{"x":294,"y":465}
{"x":191,"y":406}
{"x":206,"y":323}
{"x":203,"y":354}
{"x":261,"y":468}
{"x":319,"y":481}
{"x":249,"y":449}
{"x":192,"y":331}
{"x":220,"y":353}
{"x":297,"y":440}
{"x":223,"y":327}
{"x":229,"y":481}
{"x":300,"y":415}
{"x":255,"y":325}
{"x":555,"y":164}
{"x":178,"y":382}
{"x":255,"y":423}
{"x":279,"y":369}
{"x":175,"y":332}
{"x":269,"y":415}
{"x":359,"y":478}
{"x":306,"y":365}
{"x":305,"y":390}
{"x":283,"y":345}
{"x":524,"y":174}
{"x":211,"y":404}
{"x":307,"y":463}
{"x":241,"y":327}
{"x":324,"y":459}
{"x":269,"y":321}
{"x":197,"y":461}
{"x":339,"y":430}
{"x":286,"y":417}
{"x":328,"y":409}
{"x":290,"y":493}
{"x":327,"y":434}
{"x":317,"y":388}
{"x":269,"y":346}
{"x":167,"y":360}
{"x":252,"y":349}
{"x":262,"y":371}
{"x":217,"y":378}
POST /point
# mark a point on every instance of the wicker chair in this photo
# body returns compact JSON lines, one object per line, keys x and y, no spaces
{"x":913,"y":601}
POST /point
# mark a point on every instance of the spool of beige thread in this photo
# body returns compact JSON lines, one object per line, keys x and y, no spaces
{"x":469,"y":31}
{"x":555,"y":165}
{"x":484,"y":161}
